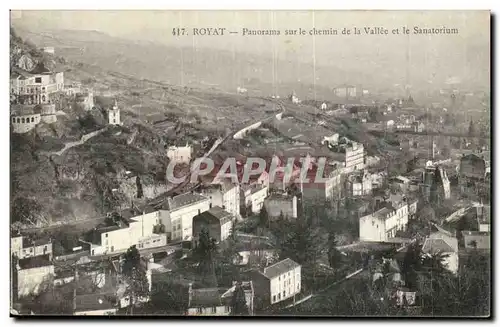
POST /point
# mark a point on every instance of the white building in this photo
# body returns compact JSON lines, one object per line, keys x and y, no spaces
{"x":278,"y":282}
{"x":86,"y":100}
{"x":252,"y":196}
{"x":331,"y":140}
{"x":177,"y":214}
{"x":50,"y":50}
{"x":439,"y":243}
{"x":180,"y":154}
{"x":350,"y":153}
{"x":216,"y":221}
{"x":225,"y":195}
{"x":328,"y":189}
{"x":324,"y":106}
{"x":114,"y":115}
{"x":33,"y":274}
{"x":281,"y":204}
{"x":36,"y":86}
{"x":133,"y":227}
{"x":360,"y":184}
{"x":384,"y":223}
{"x":23,"y":247}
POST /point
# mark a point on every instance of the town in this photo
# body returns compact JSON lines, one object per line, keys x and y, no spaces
{"x":358,"y":204}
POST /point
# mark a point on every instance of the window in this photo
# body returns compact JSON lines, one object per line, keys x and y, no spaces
{"x":106,"y":234}
{"x":31,"y":250}
{"x":284,"y":294}
{"x":22,"y":120}
{"x":228,"y":308}
{"x":279,"y":296}
{"x":274,"y":298}
{"x":43,"y":98}
{"x":38,"y":80}
{"x":18,"y":120}
{"x":298,"y":287}
{"x":114,"y":121}
{"x":13,"y":119}
{"x":32,"y":119}
{"x":214,"y":309}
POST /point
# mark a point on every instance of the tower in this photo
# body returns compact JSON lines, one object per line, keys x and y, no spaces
{"x":114,"y":115}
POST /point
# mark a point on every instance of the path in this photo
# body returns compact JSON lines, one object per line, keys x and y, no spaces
{"x":84,"y":139}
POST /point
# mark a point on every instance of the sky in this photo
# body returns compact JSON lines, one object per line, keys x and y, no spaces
{"x":437,"y":58}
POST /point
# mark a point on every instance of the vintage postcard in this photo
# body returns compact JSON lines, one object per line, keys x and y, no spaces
{"x":250,"y":163}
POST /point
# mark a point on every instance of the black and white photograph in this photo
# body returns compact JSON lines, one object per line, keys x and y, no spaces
{"x":250,"y":163}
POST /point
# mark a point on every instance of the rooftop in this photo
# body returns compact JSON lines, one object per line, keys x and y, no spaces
{"x":181,"y":200}
{"x":215,"y":214}
{"x":440,"y":242}
{"x":40,"y":69}
{"x":280,"y":268}
{"x":35,"y":262}
{"x":206,"y":297}
{"x":93,"y":302}
{"x":28,"y":242}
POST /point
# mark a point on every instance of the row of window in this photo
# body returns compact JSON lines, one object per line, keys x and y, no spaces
{"x":214,"y":309}
{"x":23,"y":120}
{"x":284,"y":294}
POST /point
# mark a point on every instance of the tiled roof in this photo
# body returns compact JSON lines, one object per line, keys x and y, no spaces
{"x":93,"y":302}
{"x":35,"y":262}
{"x":280,"y":268}
{"x":206,"y":297}
{"x":215,"y":214}
{"x":181,"y":200}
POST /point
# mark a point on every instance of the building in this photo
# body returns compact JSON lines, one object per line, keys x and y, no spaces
{"x":384,"y":223}
{"x":328,"y":189}
{"x":86,"y":100}
{"x":217,"y":301}
{"x":114,"y":115}
{"x":50,"y":50}
{"x":359,"y":184}
{"x":24,"y":247}
{"x":436,"y":185}
{"x":439,"y":243}
{"x":177,"y":214}
{"x":92,"y":304}
{"x":36,"y":86}
{"x":252,"y":197}
{"x":474,"y":240}
{"x":472,"y":170}
{"x":281,"y":204}
{"x":417,"y":127}
{"x":324,"y":106}
{"x":346,"y":91}
{"x":401,"y":183}
{"x":217,"y":221}
{"x":331,"y":140}
{"x":277,"y":282}
{"x":33,"y":275}
{"x":130,"y":227}
{"x":180,"y":154}
{"x":350,"y":153}
{"x":483,"y":214}
{"x":225,"y":195}
{"x":72,"y":88}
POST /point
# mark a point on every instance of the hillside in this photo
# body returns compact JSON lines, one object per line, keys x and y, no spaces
{"x":102,"y":174}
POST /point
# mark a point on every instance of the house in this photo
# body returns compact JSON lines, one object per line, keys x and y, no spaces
{"x":217,"y":301}
{"x":439,"y":243}
{"x":346,"y":91}
{"x":417,"y":126}
{"x":33,"y":274}
{"x":86,"y":100}
{"x":36,"y":86}
{"x":176,"y":214}
{"x":359,"y":184}
{"x":385,"y":222}
{"x":474,"y":240}
{"x":217,"y":221}
{"x":401,"y":182}
{"x":350,"y":153}
{"x":324,"y":106}
{"x":180,"y":154}
{"x":208,"y":302}
{"x":294,"y":98}
{"x":24,"y":247}
{"x":72,"y":88}
{"x":134,"y":226}
{"x":281,"y":204}
{"x":252,"y":197}
{"x":103,"y":304}
{"x":277,"y":282}
{"x":436,"y":185}
{"x":328,"y":188}
{"x":114,"y":115}
{"x":483,"y":213}
{"x":224,"y":194}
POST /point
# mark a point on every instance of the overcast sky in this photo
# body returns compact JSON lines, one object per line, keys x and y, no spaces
{"x":447,"y":57}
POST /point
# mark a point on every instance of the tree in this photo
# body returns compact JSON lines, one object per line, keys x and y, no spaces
{"x":205,"y":253}
{"x":238,"y":301}
{"x":135,"y":277}
{"x":334,"y":255}
{"x":263,"y":217}
{"x":472,"y":129}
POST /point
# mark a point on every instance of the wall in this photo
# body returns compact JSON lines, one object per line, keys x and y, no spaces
{"x":180,"y":222}
{"x":276,"y":206}
{"x":179,"y":154}
{"x":219,"y":311}
{"x":243,"y":132}
{"x":30,"y":280}
{"x":256,"y":199}
{"x":286,"y":285}
{"x":372,"y":229}
{"x":20,"y":127}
